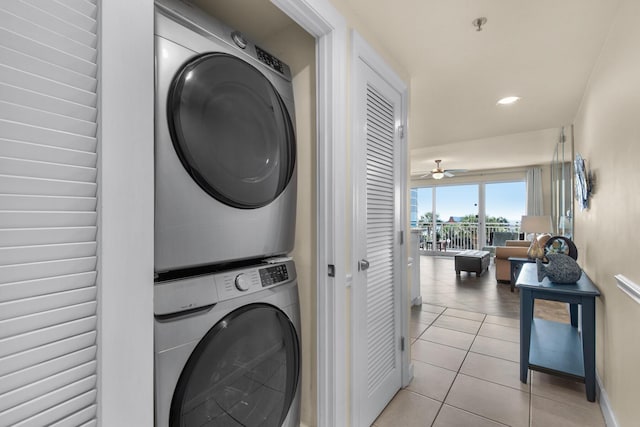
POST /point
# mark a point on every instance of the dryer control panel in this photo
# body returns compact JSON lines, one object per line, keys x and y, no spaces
{"x":270,"y":60}
{"x":188,"y":294}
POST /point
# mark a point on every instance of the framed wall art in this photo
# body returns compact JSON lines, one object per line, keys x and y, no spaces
{"x":583,"y":185}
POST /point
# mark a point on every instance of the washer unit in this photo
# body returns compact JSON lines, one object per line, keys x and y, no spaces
{"x":225,"y":144}
{"x":227,"y":349}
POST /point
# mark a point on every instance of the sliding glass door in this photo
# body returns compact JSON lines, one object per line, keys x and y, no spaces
{"x":469,"y":216}
{"x":505,"y":203}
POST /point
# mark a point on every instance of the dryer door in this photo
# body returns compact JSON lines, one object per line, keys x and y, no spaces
{"x":231,"y":130}
{"x":244,"y":372}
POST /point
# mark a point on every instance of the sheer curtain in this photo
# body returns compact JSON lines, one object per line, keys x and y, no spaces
{"x":534,"y":191}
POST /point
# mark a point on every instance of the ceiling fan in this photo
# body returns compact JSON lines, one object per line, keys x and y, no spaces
{"x":439,"y":173}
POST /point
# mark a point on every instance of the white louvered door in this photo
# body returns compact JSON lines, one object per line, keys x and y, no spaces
{"x":48,"y":171}
{"x":377,"y":287}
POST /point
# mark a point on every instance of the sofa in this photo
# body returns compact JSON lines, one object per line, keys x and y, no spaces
{"x":513,"y":248}
{"x":498,"y":238}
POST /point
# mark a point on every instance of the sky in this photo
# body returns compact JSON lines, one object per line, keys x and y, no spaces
{"x":506,"y":199}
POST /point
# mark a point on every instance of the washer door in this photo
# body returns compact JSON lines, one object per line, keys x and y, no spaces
{"x":244,"y":372}
{"x":231,"y":130}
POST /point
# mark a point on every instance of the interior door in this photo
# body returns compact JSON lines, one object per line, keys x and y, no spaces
{"x":377,"y":362}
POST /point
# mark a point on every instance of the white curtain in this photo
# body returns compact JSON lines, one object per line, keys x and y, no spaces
{"x":534,"y":191}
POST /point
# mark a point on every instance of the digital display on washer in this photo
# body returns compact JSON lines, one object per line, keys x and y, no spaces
{"x":270,"y":60}
{"x":272,"y":275}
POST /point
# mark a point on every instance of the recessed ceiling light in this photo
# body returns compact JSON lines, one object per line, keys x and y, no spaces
{"x":508,"y":100}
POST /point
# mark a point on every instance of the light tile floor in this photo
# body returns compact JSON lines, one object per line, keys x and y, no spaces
{"x":466,"y":374}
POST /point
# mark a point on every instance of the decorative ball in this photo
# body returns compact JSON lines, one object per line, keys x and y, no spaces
{"x":561,"y":269}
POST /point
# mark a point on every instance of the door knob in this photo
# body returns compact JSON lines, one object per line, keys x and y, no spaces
{"x":363,"y":265}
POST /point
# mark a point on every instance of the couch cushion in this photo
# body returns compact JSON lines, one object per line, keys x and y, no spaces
{"x":520,"y":243}
{"x":504,"y":252}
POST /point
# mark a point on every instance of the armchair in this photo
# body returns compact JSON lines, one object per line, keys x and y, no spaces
{"x":513,"y":248}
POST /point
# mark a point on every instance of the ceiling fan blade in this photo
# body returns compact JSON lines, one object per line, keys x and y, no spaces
{"x":446,"y":172}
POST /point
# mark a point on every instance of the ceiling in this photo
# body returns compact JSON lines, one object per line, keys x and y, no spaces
{"x":542,"y":51}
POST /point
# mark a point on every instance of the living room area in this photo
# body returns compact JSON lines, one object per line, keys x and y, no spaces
{"x":466,"y":322}
{"x":605,"y":133}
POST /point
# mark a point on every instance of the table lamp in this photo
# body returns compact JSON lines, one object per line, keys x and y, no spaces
{"x":535,"y":224}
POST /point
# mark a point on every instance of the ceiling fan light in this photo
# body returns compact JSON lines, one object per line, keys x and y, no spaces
{"x":437,"y":175}
{"x":508,"y":100}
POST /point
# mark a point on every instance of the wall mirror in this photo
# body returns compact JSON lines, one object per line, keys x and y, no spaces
{"x":562,"y":206}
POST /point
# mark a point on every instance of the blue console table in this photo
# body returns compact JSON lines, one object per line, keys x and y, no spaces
{"x":553,"y":347}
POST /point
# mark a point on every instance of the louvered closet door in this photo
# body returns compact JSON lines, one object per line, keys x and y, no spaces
{"x":378,"y":287}
{"x":48,"y":84}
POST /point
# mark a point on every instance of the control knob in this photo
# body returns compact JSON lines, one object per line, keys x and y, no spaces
{"x":242,"y":283}
{"x":239,"y":39}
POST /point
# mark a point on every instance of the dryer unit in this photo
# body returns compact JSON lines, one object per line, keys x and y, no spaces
{"x":225,"y":146}
{"x":227,"y":349}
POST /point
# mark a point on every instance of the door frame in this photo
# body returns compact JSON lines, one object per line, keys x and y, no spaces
{"x":362,"y":51}
{"x":320,"y":19}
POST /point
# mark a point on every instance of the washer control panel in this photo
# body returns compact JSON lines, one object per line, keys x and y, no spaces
{"x":242,"y":282}
{"x":234,"y":283}
{"x":273,"y":275}
{"x":187,"y":294}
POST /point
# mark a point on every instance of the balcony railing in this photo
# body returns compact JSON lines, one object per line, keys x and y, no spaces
{"x":461,"y":236}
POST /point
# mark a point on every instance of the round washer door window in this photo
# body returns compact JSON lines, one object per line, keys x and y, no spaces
{"x":244,"y":372}
{"x":231,"y":130}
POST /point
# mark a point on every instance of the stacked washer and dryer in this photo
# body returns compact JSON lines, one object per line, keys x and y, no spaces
{"x":227,"y":322}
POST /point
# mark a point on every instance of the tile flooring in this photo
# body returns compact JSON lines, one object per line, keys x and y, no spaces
{"x":466,"y":374}
{"x":440,"y":286}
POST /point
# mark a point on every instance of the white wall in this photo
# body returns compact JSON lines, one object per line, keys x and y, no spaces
{"x":126,"y":214}
{"x":607,"y":135}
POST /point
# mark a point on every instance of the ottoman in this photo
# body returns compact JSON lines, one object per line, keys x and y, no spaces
{"x":470,"y":261}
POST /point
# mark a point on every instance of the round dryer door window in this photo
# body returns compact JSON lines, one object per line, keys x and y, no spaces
{"x":231,"y":130}
{"x":244,"y":372}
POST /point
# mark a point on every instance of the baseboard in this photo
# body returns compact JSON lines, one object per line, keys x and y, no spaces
{"x":409,"y":375}
{"x":605,"y":405}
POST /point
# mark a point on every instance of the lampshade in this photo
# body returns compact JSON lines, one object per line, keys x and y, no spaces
{"x":437,"y":175}
{"x":536,"y":224}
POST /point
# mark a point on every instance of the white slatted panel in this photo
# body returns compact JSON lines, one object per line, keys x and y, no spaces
{"x":381,"y":342}
{"x":48,"y":125}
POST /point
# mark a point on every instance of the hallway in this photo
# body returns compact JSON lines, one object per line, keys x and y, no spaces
{"x":465,"y":351}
